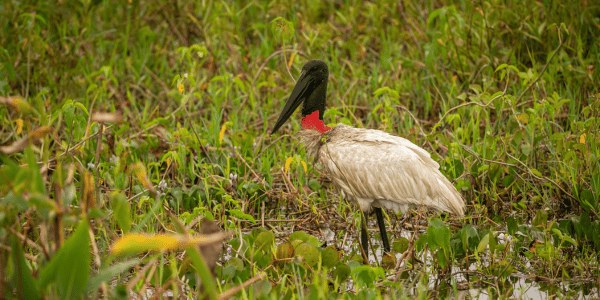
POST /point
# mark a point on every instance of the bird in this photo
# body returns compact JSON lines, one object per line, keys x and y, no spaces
{"x":375,"y":169}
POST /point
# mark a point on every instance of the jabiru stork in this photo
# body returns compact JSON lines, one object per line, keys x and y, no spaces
{"x":375,"y":169}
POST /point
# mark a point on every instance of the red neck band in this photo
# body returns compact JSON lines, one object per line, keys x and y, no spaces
{"x":313,"y":122}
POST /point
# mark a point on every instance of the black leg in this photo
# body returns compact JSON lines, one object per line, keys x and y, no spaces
{"x":364,"y":238}
{"x":384,"y":237}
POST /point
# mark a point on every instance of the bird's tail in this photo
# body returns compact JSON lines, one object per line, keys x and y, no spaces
{"x":452,"y":200}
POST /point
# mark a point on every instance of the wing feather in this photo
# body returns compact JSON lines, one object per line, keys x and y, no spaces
{"x":387,"y":171}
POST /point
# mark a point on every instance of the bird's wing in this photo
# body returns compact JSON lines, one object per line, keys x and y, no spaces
{"x":386,"y":169}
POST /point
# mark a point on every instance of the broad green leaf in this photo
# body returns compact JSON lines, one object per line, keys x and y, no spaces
{"x":330,"y":257}
{"x":386,"y":91}
{"x":241,"y":215}
{"x":69,"y":269}
{"x":23,"y":282}
{"x":564,"y":237}
{"x":284,"y":251}
{"x":264,"y":241}
{"x":400,"y":245}
{"x":342,"y":271}
{"x":438,"y":235}
{"x":308,"y":252}
{"x":305,"y":237}
{"x":121,"y":210}
{"x":36,"y":184}
{"x":466,"y":233}
{"x":442,"y":258}
{"x":483,"y":243}
{"x":365,"y":275}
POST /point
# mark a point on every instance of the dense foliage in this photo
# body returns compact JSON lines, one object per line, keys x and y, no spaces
{"x":119,"y":118}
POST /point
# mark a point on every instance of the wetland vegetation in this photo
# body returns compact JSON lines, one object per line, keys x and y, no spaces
{"x":127,"y":126}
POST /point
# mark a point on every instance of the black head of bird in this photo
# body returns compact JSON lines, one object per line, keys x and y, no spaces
{"x":310,"y":90}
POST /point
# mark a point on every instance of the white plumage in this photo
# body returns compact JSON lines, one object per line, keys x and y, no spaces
{"x":377,"y":169}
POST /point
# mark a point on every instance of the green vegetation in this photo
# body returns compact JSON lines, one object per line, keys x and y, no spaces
{"x":505,"y":96}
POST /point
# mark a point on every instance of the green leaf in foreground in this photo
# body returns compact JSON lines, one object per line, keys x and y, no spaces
{"x":305,"y":237}
{"x":69,"y":269}
{"x":330,"y":257}
{"x":308,"y":252}
{"x":22,"y":279}
{"x":284,"y":251}
{"x":241,"y":215}
{"x":122,"y":210}
{"x":108,"y":273}
{"x":208,"y":282}
{"x":264,"y":241}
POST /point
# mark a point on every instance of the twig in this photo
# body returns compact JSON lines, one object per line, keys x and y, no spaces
{"x":541,"y":178}
{"x":29,"y":242}
{"x":95,"y":251}
{"x":414,"y":119}
{"x":409,"y":252}
{"x":543,"y":69}
{"x":231,"y":292}
{"x":140,"y":273}
{"x":484,"y":105}
{"x":30,"y":257}
{"x":477,"y":156}
{"x":288,"y":65}
{"x":416,"y":122}
{"x":262,"y":214}
{"x":262,"y":66}
{"x":277,"y":220}
{"x":249,"y":167}
{"x":75,"y":147}
{"x":34,"y":136}
{"x":97,"y":260}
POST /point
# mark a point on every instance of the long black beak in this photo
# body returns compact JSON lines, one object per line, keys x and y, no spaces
{"x":299,"y":94}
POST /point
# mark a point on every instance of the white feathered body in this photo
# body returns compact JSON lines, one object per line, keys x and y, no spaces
{"x":377,"y":169}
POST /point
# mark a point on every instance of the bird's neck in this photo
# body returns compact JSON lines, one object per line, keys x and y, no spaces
{"x":312,"y":122}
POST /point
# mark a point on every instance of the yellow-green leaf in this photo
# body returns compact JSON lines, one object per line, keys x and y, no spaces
{"x":483,"y":243}
{"x":19,"y":123}
{"x":304,"y":166}
{"x":139,"y":171}
{"x":288,"y":164}
{"x":222,"y":131}
{"x":121,"y":210}
{"x":137,"y":243}
{"x":134,"y":243}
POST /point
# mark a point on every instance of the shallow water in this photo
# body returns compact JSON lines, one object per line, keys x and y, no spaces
{"x":522,"y":287}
